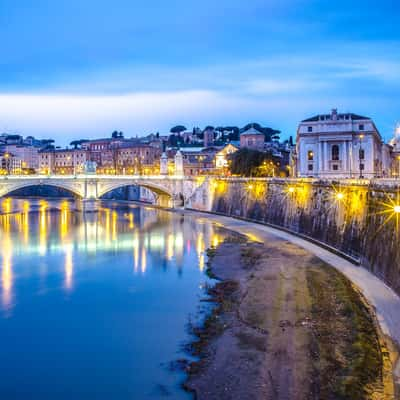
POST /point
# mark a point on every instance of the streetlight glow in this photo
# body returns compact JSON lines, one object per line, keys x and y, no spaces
{"x":339,"y":196}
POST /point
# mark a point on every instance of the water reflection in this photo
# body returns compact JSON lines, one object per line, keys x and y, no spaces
{"x":121,"y":282}
{"x":38,"y":228}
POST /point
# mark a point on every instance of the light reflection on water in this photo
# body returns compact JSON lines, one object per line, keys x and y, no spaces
{"x":95,"y":305}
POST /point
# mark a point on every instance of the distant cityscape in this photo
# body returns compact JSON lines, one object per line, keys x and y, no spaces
{"x":333,"y":145}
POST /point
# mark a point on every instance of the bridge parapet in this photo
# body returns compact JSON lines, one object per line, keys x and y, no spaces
{"x":172,"y":191}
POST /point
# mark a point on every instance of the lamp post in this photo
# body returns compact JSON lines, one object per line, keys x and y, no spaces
{"x":361,"y":137}
{"x":7,"y":157}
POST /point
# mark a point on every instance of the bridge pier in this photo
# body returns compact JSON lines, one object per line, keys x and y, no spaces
{"x":87,"y":205}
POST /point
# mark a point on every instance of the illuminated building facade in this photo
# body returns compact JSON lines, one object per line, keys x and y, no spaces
{"x":340,"y":146}
{"x":199,"y":161}
{"x":138,"y":159}
{"x":10,"y":164}
{"x":66,"y":161}
{"x":29,"y":155}
{"x":221,"y":158}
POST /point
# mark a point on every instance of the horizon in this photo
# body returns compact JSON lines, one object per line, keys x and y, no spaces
{"x":76,"y":70}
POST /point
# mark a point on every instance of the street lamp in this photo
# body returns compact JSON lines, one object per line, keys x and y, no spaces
{"x":7,"y":157}
{"x":361,"y":137}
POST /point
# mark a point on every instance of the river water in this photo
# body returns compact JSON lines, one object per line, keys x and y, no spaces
{"x":96,"y":306}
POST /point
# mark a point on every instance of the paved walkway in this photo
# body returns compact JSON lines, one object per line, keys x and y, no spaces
{"x":378,"y":294}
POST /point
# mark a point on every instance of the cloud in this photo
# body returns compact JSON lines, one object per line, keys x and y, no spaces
{"x":284,"y":86}
{"x":97,"y":115}
{"x":68,"y":117}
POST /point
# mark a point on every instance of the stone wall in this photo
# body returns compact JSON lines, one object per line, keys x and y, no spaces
{"x":356,"y":218}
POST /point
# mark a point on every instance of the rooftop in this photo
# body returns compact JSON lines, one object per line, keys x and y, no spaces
{"x":334,"y":116}
{"x":251,"y":131}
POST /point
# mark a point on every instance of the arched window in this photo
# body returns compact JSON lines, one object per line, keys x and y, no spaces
{"x":310,"y":155}
{"x":335,"y":152}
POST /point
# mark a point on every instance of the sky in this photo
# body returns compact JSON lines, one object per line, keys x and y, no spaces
{"x":83,"y":68}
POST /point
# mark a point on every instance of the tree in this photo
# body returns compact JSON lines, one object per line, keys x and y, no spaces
{"x":248,"y":162}
{"x":178,"y":129}
{"x":77,"y":143}
{"x":117,"y":134}
{"x":175,"y":141}
{"x":269,"y":133}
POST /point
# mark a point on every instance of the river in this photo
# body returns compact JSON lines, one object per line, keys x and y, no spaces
{"x":96,"y":306}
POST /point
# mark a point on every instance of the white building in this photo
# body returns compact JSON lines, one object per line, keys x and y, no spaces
{"x":395,"y":152}
{"x":340,"y":146}
{"x":65,"y":161}
{"x":29,"y":155}
{"x":221,"y":158}
{"x":9,"y":164}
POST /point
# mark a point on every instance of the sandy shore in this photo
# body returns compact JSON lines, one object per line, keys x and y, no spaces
{"x":286,"y":326}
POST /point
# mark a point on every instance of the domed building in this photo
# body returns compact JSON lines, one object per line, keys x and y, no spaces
{"x":395,"y":142}
{"x":395,"y":151}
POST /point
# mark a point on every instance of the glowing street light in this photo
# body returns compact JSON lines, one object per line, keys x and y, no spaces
{"x":339,"y":196}
{"x":396,"y":209}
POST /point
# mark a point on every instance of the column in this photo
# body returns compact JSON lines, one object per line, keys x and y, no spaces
{"x":326,"y":157}
{"x":345,"y":155}
{"x":320,"y":159}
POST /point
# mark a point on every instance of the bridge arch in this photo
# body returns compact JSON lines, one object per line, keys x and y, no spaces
{"x":163,"y":195}
{"x":9,"y":189}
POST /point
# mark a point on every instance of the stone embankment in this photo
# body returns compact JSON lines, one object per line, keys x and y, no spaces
{"x":356,"y":218}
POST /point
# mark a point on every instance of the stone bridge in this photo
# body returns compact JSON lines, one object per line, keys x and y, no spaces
{"x":169,"y":191}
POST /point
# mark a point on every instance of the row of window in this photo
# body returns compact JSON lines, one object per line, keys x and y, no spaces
{"x":335,"y":154}
{"x":335,"y":167}
{"x":360,"y":128}
{"x":68,"y":156}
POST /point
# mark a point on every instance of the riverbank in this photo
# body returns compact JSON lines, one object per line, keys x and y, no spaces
{"x":286,"y":326}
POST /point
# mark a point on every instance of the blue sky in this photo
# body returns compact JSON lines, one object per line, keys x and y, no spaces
{"x":71,"y":69}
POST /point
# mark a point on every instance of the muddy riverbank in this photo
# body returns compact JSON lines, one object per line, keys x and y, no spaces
{"x":286,"y":326}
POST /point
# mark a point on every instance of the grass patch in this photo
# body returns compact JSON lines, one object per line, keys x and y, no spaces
{"x":345,"y":348}
{"x":225,"y":296}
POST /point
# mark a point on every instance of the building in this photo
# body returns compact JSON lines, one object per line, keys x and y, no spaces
{"x":117,"y":155}
{"x":62,"y":161}
{"x":394,"y":146}
{"x":252,"y":139}
{"x":103,"y":151}
{"x":221,"y":158}
{"x":340,"y":146}
{"x":28,"y":155}
{"x":10,"y":164}
{"x":208,"y":136}
{"x":138,"y":159}
{"x":199,"y":161}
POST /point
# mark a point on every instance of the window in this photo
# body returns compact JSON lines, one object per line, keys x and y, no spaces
{"x":362,"y":154}
{"x":310,"y":155}
{"x":309,"y":129}
{"x":310,"y":167}
{"x":361,"y":127}
{"x":361,"y":167}
{"x":335,"y":167}
{"x":335,"y":152}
